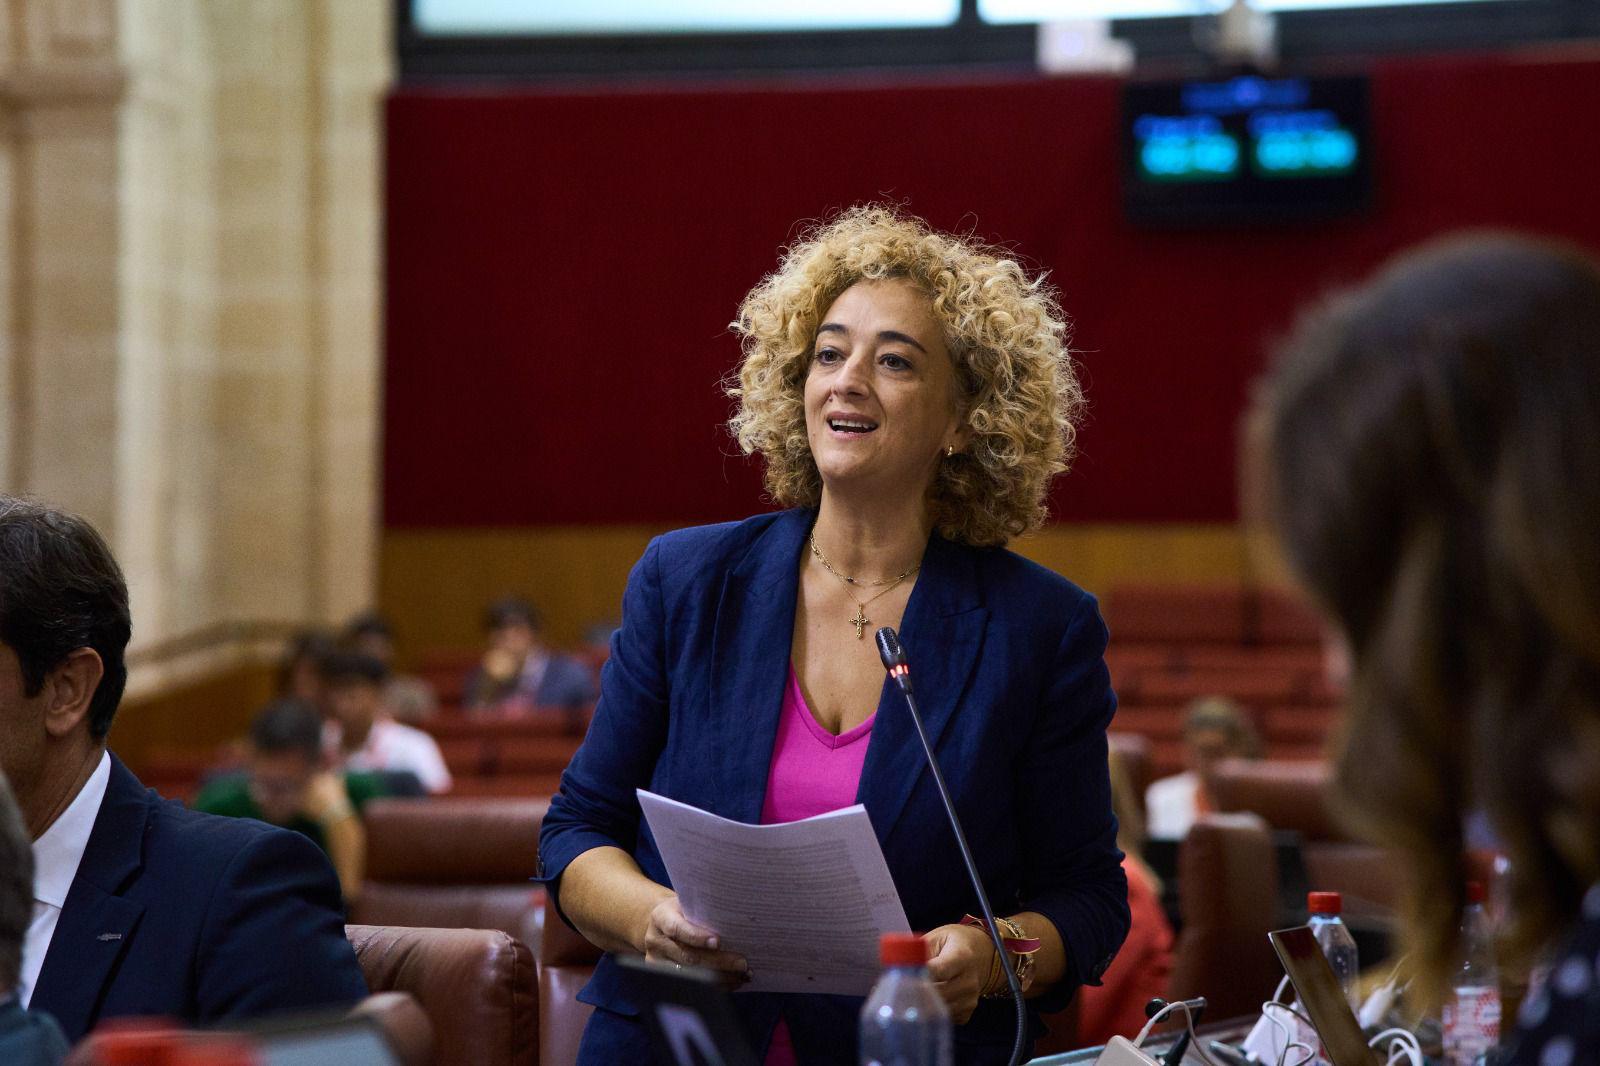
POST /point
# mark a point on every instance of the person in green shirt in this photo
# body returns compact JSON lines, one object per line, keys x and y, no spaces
{"x":286,"y":782}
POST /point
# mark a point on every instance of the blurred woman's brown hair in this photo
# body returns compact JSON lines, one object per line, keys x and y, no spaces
{"x":1434,"y":471}
{"x":1128,"y":806}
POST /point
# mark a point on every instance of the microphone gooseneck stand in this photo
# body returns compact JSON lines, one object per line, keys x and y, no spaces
{"x":894,"y":661}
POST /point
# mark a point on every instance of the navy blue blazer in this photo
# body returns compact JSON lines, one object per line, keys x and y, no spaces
{"x":1009,"y":664}
{"x":196,"y":917}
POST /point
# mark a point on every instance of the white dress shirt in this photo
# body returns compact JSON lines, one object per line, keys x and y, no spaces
{"x":56,"y":856}
{"x":1171,"y":805}
{"x":392,"y":746}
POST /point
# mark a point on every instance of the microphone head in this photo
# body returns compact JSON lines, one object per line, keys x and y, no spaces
{"x":889,"y":649}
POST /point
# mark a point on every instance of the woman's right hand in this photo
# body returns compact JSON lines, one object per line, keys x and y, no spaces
{"x":671,"y":937}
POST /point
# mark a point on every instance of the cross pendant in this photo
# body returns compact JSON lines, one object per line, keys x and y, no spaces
{"x":860,"y":621}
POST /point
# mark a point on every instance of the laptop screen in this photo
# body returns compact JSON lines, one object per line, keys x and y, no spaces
{"x":1321,"y":997}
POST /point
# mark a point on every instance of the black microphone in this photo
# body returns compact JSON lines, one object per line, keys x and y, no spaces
{"x":894,"y":661}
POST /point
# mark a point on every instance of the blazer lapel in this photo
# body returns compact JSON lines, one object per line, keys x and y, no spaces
{"x":750,"y":660}
{"x":96,"y":924}
{"x":942,"y":633}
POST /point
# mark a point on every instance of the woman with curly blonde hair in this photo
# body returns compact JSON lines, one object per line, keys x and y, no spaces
{"x":912,"y":396}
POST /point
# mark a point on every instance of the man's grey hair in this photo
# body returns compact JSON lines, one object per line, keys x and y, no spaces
{"x":16,"y":888}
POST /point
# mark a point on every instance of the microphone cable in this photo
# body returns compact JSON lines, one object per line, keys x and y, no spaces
{"x":894,"y":661}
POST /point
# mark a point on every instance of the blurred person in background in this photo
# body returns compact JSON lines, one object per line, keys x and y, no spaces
{"x":298,"y":676}
{"x":1214,"y":728}
{"x":409,"y":699}
{"x":1141,"y":969}
{"x":597,"y":643}
{"x":141,"y":906}
{"x":359,"y":735}
{"x":520,"y":672}
{"x":27,"y":1038}
{"x":1433,"y":443}
{"x":912,"y":397}
{"x":286,"y":784}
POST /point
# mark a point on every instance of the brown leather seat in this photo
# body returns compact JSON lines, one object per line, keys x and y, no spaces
{"x":566,"y":962}
{"x":475,"y":985}
{"x":1228,"y":899}
{"x":1286,"y":794}
{"x":451,"y":862}
{"x":1294,"y":796}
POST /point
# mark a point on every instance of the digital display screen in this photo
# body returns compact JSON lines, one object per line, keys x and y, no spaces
{"x":1054,"y":10}
{"x":495,"y":18}
{"x":1244,"y":149}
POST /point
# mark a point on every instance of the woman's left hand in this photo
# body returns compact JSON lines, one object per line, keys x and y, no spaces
{"x":959,"y":961}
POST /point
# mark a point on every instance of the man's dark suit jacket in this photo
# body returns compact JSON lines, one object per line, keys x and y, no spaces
{"x":1009,"y":666}
{"x":195,"y":917}
{"x":28,"y":1037}
{"x":566,"y":683}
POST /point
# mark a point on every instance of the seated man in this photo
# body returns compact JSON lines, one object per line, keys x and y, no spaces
{"x":285,"y":783}
{"x":519,"y":671}
{"x":408,"y":699}
{"x":1214,"y":728}
{"x":360,"y":735}
{"x":140,"y":906}
{"x":27,"y":1038}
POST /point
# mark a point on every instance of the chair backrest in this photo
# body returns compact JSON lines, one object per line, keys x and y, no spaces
{"x":1294,"y":796}
{"x":566,"y":962}
{"x":1228,"y":901}
{"x":452,"y":862}
{"x":1286,"y":794}
{"x":475,"y":985}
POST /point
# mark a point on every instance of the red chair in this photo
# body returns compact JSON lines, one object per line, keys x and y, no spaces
{"x":1284,"y":618}
{"x":1176,"y":614}
{"x":453,"y":862}
{"x":475,"y":985}
{"x":1228,"y":900}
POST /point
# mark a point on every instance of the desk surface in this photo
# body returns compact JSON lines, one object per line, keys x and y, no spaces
{"x":1230,"y":1031}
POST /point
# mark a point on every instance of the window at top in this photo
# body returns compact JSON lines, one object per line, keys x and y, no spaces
{"x":539,"y":18}
{"x":1045,"y":10}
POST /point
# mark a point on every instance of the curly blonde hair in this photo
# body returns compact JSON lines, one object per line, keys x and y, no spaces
{"x":1006,"y":335}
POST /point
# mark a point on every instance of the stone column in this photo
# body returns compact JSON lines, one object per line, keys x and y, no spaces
{"x":190,"y":291}
{"x":60,"y":94}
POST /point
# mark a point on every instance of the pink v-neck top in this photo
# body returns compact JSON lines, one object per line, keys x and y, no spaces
{"x":813,"y":771}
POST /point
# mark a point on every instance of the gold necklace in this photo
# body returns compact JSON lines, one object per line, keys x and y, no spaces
{"x":860,"y":621}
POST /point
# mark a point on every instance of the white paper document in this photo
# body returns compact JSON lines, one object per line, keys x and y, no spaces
{"x":805,"y":902}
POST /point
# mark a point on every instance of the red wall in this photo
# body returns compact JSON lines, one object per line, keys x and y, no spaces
{"x":562,"y":267}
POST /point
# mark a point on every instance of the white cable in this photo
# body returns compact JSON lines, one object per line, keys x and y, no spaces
{"x":1406,"y":1042}
{"x":1188,"y":1017}
{"x":1288,"y":1034}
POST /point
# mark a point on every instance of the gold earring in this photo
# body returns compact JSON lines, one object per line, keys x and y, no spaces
{"x":949,"y":450}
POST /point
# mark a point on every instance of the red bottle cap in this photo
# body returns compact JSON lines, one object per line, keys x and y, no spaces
{"x":1324,"y":902}
{"x":134,"y":1042}
{"x":1475,"y":893}
{"x":903,"y":949}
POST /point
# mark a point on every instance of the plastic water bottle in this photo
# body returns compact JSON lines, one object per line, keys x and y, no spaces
{"x":1336,"y":942}
{"x":1472,"y":1011}
{"x":904,"y":1021}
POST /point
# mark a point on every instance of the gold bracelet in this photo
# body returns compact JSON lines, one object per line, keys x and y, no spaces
{"x":1020,"y":952}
